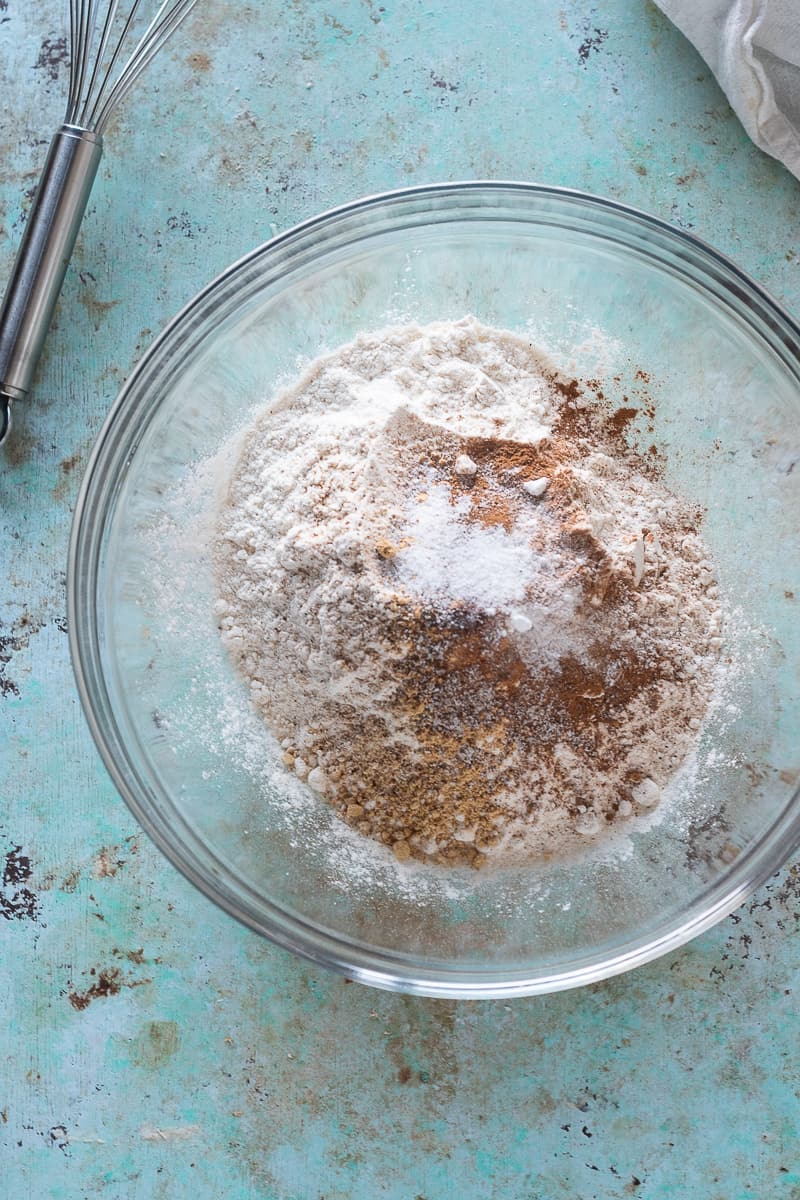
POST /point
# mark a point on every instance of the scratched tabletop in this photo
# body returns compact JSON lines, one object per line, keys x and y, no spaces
{"x":150,"y":1047}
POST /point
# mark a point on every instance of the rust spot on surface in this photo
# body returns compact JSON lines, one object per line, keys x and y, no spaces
{"x":157,"y":1043}
{"x":337,"y":26}
{"x":109,"y":982}
{"x":17,"y":449}
{"x":69,"y":468}
{"x":107,"y":864}
{"x":97,"y":309}
{"x":71,"y":881}
{"x":421,"y":1047}
{"x":199,"y":61}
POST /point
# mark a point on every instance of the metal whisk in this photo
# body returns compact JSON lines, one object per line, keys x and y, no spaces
{"x":107,"y":57}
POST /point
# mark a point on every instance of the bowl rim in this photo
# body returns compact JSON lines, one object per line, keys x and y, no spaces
{"x":386,"y":969}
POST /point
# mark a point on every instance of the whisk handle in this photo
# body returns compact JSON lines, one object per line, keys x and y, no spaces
{"x":46,"y":248}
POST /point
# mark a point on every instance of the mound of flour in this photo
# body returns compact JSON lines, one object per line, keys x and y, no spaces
{"x":476,"y":619}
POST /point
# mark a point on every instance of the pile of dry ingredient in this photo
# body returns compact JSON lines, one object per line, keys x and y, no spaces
{"x":476,"y":619}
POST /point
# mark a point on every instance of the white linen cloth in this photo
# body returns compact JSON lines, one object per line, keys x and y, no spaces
{"x":753,"y":48}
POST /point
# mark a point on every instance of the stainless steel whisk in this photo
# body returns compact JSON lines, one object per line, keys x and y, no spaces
{"x":107,"y":57}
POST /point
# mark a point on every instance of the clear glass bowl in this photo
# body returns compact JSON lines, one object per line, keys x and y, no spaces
{"x":607,"y":290}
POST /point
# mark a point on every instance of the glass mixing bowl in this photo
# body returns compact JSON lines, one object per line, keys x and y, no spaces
{"x":609,"y":292}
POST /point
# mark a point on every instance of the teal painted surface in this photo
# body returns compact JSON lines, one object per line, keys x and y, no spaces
{"x":149,"y":1048}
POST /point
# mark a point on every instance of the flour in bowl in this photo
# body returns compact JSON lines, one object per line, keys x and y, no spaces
{"x":475,"y":617}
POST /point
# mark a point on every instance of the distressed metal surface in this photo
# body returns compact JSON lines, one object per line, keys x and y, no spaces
{"x":149,"y":1047}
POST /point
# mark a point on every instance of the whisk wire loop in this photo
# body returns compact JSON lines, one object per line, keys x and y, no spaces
{"x":161,"y":28}
{"x":80,"y":18}
{"x":100,"y":56}
{"x":103,"y":68}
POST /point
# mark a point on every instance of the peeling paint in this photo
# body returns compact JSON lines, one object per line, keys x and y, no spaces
{"x":12,"y":641}
{"x":181,"y":1133}
{"x":18,"y":902}
{"x":591,"y":44}
{"x":53,"y":54}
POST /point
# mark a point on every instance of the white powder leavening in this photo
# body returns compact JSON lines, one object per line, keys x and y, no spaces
{"x":448,"y":557}
{"x":476,"y":619}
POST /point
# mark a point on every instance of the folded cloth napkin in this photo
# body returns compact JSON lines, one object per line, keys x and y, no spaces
{"x":753,"y":48}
